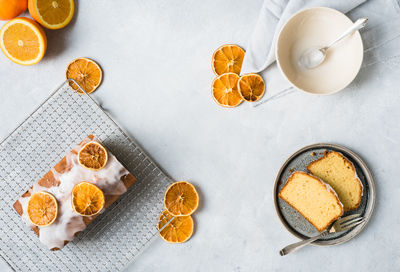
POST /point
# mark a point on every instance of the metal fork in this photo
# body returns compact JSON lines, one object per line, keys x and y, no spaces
{"x":339,"y":225}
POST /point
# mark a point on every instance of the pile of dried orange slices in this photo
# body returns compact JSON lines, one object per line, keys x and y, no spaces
{"x":228,"y":88}
{"x":176,"y":223}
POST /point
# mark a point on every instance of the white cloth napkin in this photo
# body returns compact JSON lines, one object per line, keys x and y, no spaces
{"x":260,"y":52}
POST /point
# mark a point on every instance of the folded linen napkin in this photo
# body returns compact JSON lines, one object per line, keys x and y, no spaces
{"x":260,"y":51}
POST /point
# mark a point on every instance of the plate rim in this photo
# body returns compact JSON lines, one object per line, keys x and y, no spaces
{"x":369,"y":207}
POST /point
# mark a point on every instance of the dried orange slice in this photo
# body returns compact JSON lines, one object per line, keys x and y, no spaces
{"x":93,"y":156}
{"x":225,"y":91}
{"x":52,"y":14}
{"x":87,"y":199}
{"x":179,"y":230}
{"x":42,"y":209}
{"x":227,"y":59}
{"x":86,"y":72}
{"x":251,"y":87}
{"x":23,"y":41}
{"x":181,"y":199}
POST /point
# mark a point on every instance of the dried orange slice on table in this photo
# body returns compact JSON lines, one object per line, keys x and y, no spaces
{"x":179,"y":230}
{"x":52,"y":14}
{"x":86,"y":72}
{"x":87,"y":199}
{"x":225,"y":91}
{"x":181,"y":199}
{"x":42,"y":209}
{"x":251,"y":87}
{"x":227,"y":59}
{"x":23,"y":41}
{"x":93,"y":156}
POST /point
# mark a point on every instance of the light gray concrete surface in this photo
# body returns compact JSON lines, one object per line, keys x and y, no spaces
{"x":157,"y":77}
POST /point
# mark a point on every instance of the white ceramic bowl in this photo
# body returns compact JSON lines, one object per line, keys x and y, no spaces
{"x":319,"y":27}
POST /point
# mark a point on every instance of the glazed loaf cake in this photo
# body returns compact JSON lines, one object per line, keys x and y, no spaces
{"x":312,"y":198}
{"x":114,"y":180}
{"x":339,"y":173}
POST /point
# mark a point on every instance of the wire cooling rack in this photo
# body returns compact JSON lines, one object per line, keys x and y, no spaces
{"x":113,"y":240}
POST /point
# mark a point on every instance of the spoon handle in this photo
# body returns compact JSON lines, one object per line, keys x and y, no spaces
{"x":360,"y":23}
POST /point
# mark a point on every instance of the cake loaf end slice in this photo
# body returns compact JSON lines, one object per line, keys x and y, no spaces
{"x":313,"y":199}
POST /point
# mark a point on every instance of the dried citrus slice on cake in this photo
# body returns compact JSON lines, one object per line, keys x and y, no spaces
{"x":227,"y":59}
{"x":181,"y":199}
{"x":52,"y":14}
{"x":179,"y":230}
{"x":251,"y":87}
{"x":23,"y":41}
{"x":87,"y":199}
{"x":86,"y":72}
{"x":225,"y":92}
{"x":42,"y":209}
{"x":93,"y":156}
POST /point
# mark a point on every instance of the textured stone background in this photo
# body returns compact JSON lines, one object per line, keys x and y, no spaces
{"x":157,"y":77}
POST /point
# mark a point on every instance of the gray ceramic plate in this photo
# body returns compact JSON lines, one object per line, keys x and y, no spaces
{"x":295,"y":222}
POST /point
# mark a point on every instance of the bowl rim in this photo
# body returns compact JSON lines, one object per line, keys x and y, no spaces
{"x":357,"y":33}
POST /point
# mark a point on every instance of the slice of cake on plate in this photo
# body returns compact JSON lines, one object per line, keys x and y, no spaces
{"x":313,"y":199}
{"x":73,"y":193}
{"x":339,"y":173}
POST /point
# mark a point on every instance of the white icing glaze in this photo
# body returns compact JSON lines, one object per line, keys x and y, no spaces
{"x":68,"y":223}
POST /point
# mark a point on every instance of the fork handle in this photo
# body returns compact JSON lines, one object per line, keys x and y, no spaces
{"x":293,"y":247}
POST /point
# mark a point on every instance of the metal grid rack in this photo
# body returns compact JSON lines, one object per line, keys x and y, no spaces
{"x":113,"y":240}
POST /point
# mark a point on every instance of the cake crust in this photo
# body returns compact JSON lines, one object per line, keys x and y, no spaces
{"x":326,"y":153}
{"x":320,"y":229}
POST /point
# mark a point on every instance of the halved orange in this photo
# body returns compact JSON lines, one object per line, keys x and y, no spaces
{"x":52,"y":14}
{"x":227,"y":59}
{"x":93,"y":156}
{"x":87,"y":199}
{"x":23,"y":41}
{"x":251,"y":87}
{"x":225,"y":92}
{"x":86,"y":72}
{"x":181,"y":199}
{"x":42,"y":209}
{"x":179,"y":230}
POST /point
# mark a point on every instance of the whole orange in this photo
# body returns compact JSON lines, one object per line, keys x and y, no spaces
{"x":10,"y":9}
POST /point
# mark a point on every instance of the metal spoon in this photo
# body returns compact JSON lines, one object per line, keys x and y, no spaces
{"x":313,"y":57}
